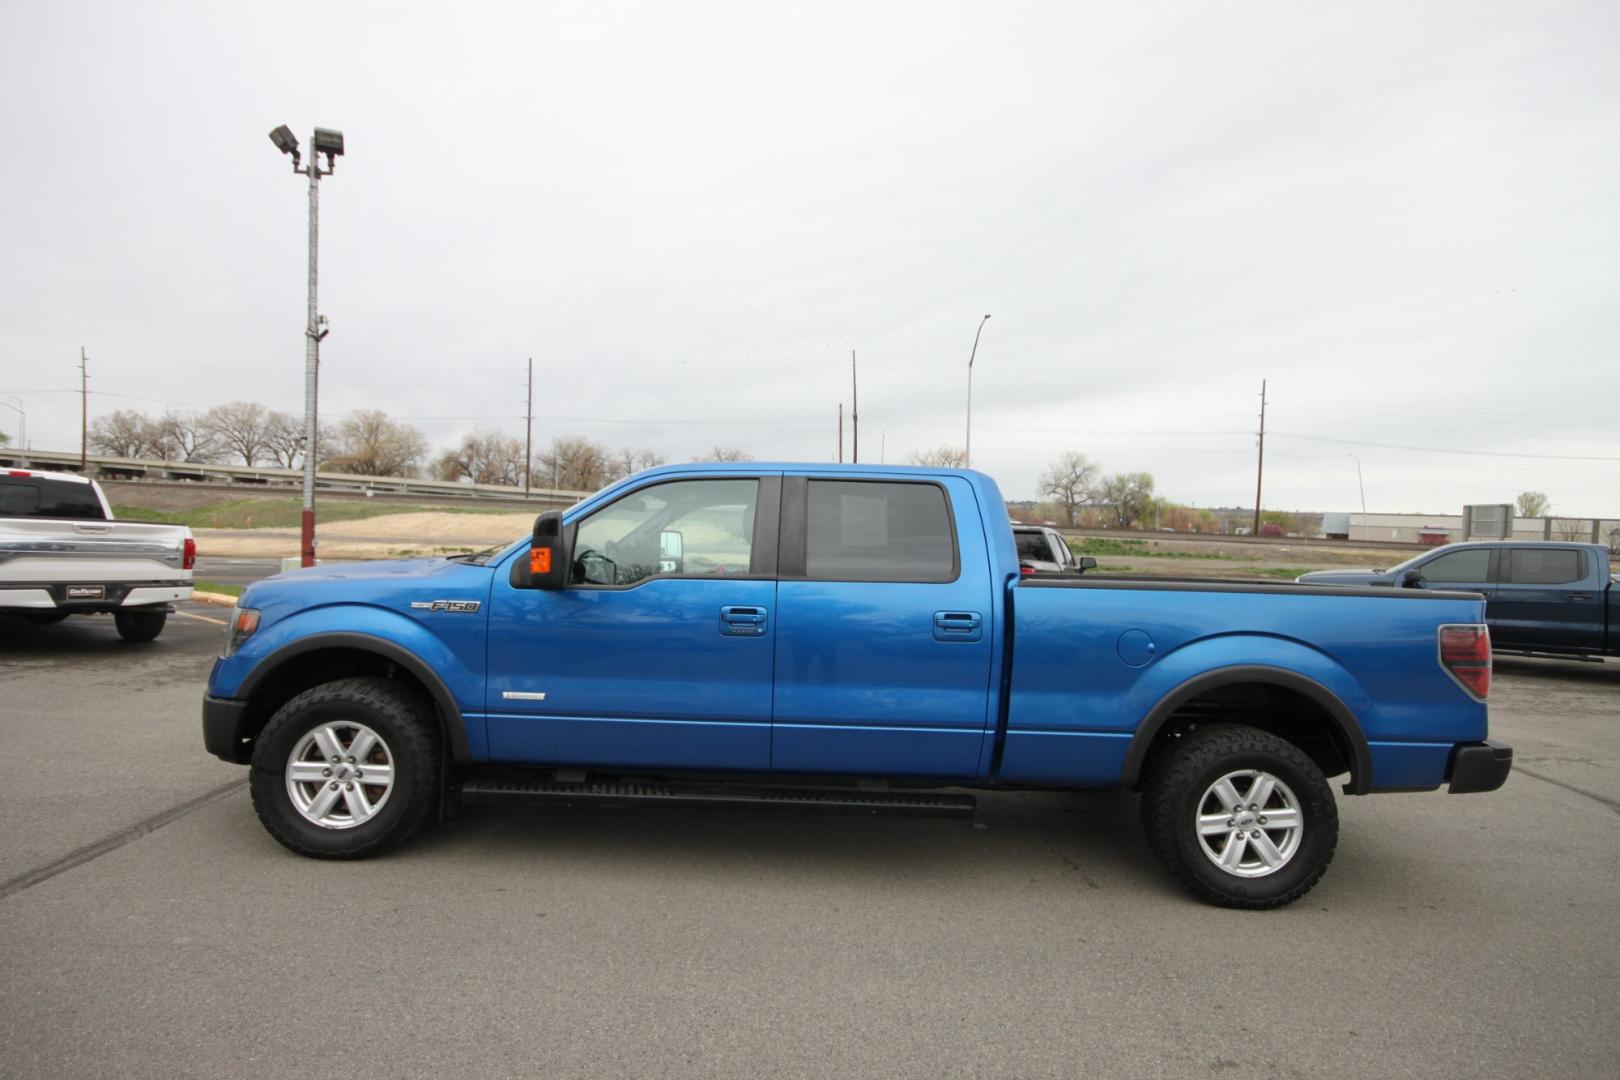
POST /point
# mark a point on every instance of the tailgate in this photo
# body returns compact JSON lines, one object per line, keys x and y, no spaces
{"x":48,"y":550}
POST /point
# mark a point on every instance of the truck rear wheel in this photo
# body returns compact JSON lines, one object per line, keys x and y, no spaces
{"x":139,"y":625}
{"x":346,"y":769}
{"x":1241,"y":818}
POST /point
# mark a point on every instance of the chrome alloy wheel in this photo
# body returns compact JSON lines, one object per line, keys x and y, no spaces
{"x":1250,"y":823}
{"x":339,"y":775}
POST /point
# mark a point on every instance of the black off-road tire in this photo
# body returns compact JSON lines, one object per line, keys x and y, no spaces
{"x":402,"y":721}
{"x":139,"y":625}
{"x":1174,"y":791}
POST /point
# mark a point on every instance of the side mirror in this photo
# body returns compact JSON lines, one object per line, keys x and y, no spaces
{"x":547,"y":564}
{"x":1086,"y":563}
{"x":1412,"y":579}
{"x":671,"y":548}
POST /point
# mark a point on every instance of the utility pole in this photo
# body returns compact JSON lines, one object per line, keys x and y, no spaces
{"x":1260,"y":468}
{"x":883,"y":447}
{"x":84,"y":414}
{"x":854,"y":409}
{"x":528,"y":428}
{"x":840,"y":433}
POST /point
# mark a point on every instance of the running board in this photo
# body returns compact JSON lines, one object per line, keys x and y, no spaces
{"x":541,"y":789}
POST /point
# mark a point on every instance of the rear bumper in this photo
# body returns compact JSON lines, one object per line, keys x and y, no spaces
{"x":1479,"y":767}
{"x":223,"y":730}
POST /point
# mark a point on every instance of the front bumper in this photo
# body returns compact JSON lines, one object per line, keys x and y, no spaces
{"x":222,"y":720}
{"x":1479,"y":767}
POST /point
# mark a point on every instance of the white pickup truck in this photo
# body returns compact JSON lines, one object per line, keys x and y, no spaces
{"x":61,"y":554}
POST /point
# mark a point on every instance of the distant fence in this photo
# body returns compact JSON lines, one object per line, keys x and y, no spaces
{"x":103,"y":465}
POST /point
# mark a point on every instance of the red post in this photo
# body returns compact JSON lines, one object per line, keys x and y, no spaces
{"x":307,"y":540}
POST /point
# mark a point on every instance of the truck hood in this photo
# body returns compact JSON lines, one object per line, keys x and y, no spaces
{"x":1345,"y":577}
{"x":392,"y":583}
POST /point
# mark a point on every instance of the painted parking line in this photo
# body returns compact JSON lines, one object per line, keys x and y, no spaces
{"x":202,"y":618}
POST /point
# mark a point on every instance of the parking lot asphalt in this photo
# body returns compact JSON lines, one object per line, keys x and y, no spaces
{"x":151,"y":928}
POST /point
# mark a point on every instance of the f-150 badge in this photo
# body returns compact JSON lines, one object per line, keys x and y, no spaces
{"x":459,"y":606}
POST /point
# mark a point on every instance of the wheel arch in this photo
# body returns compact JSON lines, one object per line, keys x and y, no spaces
{"x":1342,"y":726}
{"x":309,"y":661}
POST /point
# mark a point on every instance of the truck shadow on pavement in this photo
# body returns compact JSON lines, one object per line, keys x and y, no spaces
{"x":1091,"y":838}
{"x":1597,"y":673}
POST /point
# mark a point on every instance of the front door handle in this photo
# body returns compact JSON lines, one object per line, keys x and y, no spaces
{"x":1580,"y":598}
{"x":742,"y":621}
{"x":958,"y":626}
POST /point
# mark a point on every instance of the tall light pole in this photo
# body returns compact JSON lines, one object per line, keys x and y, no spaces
{"x":1363,"y":488}
{"x":22,"y":433}
{"x":967,"y":453}
{"x":328,"y":142}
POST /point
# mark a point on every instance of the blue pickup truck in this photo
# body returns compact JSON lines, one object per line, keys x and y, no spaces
{"x":1542,"y":597}
{"x":851,"y":637}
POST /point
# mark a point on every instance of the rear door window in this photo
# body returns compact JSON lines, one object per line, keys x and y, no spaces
{"x":861,"y":530}
{"x":38,"y":496}
{"x":1546,"y":566}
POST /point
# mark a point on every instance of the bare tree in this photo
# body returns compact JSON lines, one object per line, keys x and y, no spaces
{"x":940,"y":457}
{"x":1531,"y":504}
{"x":1572,"y":529}
{"x":726,"y":453}
{"x":185,"y":437}
{"x":574,"y":463}
{"x":484,"y":457}
{"x":1069,"y":480}
{"x":628,"y":462}
{"x":1128,"y":495}
{"x":239,"y":429}
{"x":284,"y":439}
{"x":125,"y":433}
{"x":372,"y":444}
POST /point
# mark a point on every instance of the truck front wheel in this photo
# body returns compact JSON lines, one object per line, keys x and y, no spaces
{"x":346,"y":769}
{"x":1240,"y":817}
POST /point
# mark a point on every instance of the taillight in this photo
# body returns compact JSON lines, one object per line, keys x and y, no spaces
{"x":1026,"y":571}
{"x":20,"y":472}
{"x":1465,"y":653}
{"x":188,"y":560}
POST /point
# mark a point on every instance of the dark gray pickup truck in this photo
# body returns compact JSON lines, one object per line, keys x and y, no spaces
{"x":1542,"y":597}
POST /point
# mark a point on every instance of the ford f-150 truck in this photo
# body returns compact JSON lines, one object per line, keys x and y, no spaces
{"x":825,"y":637}
{"x":61,"y":554}
{"x":1542,"y":597}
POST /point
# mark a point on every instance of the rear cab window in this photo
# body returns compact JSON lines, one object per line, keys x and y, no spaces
{"x":1545,"y":566}
{"x":43,"y":497}
{"x":879,"y":530}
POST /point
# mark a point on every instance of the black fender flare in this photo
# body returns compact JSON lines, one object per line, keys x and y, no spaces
{"x":455,"y":730}
{"x":1361,"y":767}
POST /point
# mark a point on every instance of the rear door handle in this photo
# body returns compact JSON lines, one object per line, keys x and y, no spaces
{"x":742,"y":621}
{"x":1580,"y":598}
{"x":958,"y":626}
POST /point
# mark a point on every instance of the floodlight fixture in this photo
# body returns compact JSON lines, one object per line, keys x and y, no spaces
{"x":286,"y":141}
{"x":328,"y":142}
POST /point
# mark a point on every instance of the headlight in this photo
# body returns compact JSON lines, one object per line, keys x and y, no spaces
{"x":244,"y":620}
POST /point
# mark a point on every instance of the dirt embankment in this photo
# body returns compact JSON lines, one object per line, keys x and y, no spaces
{"x":374,"y":538}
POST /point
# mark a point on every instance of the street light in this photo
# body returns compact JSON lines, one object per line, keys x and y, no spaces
{"x":967,"y":453}
{"x":22,"y":432}
{"x":329,"y":142}
{"x":1363,"y":488}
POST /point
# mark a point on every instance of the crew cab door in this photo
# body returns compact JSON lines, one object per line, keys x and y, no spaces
{"x":1470,"y":569}
{"x":885,"y":628}
{"x":1545,"y":599}
{"x":658,"y":651}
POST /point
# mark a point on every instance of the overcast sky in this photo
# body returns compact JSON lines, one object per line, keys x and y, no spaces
{"x":1405,"y":216}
